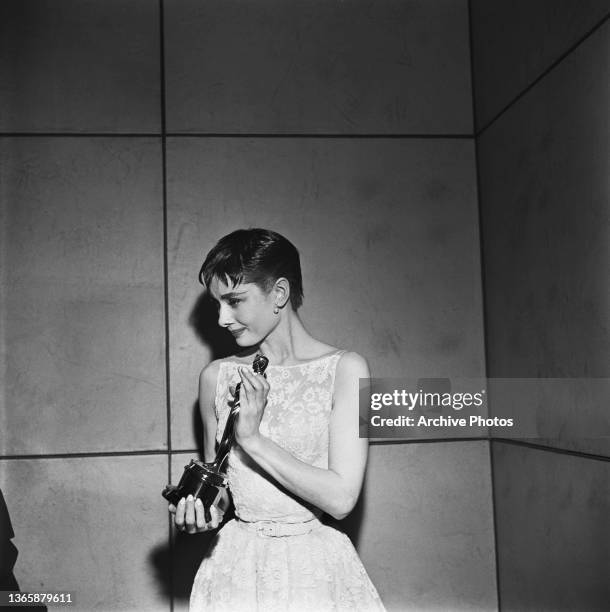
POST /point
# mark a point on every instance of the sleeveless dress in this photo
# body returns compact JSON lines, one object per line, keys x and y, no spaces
{"x":276,"y":555}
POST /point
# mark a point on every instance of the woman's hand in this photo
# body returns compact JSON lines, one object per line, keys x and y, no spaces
{"x":252,"y":401}
{"x":189,"y":516}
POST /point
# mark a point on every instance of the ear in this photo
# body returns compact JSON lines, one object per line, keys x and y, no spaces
{"x":281,"y":291}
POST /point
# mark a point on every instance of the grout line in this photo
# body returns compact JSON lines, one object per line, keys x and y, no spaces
{"x":165,"y":241}
{"x":542,"y":75}
{"x":142,"y":453}
{"x":473,"y":97}
{"x":170,"y":561}
{"x":386,"y":442}
{"x":321,"y":135}
{"x":165,"y":134}
{"x":494,"y":516}
{"x":483,"y":297}
{"x":380,"y":442}
{"x":374,"y":442}
{"x":553,"y":449}
{"x":80,"y":134}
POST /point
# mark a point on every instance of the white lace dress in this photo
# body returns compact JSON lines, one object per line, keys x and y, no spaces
{"x":277,"y":555}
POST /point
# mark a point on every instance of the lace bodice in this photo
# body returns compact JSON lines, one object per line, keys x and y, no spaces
{"x":296,"y":418}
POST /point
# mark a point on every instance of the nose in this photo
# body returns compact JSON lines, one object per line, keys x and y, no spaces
{"x":224,"y":315}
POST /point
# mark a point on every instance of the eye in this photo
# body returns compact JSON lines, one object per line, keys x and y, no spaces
{"x":233,"y":301}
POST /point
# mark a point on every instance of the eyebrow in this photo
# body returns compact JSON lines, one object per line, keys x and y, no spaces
{"x":231,"y":294}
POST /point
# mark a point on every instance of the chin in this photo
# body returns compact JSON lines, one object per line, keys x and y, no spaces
{"x":244,"y":341}
{"x":247,"y":341}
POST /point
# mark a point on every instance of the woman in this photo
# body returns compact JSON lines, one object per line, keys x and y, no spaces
{"x":297,"y":452}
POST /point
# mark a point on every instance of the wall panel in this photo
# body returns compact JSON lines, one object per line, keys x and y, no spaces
{"x":552,"y":530}
{"x":93,"y":526}
{"x":304,"y":66}
{"x":427,"y":536}
{"x":83,"y":307}
{"x":79,"y":66}
{"x":515,"y":42}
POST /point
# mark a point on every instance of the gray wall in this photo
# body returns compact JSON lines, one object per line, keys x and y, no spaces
{"x":345,"y":125}
{"x":542,"y":108}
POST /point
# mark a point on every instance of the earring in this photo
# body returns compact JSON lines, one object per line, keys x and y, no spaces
{"x":276,"y":310}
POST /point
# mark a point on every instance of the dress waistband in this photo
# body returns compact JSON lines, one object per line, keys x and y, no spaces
{"x":274,"y":529}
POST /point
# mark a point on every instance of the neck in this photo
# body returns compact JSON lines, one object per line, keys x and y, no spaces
{"x":287,"y":340}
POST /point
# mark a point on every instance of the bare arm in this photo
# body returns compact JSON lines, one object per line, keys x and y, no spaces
{"x":207,"y":397}
{"x":334,"y":490}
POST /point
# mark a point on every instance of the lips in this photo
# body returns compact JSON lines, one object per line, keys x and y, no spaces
{"x":237,"y":332}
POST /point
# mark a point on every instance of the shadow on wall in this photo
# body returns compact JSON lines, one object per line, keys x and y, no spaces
{"x":176,"y":578}
{"x":204,"y":321}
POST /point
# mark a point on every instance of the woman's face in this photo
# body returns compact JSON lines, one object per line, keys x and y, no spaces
{"x":245,"y":310}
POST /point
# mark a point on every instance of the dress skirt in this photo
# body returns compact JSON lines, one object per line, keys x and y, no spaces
{"x":249,"y":571}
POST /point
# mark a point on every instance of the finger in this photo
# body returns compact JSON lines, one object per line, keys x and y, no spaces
{"x":264,"y":388}
{"x":189,"y":516}
{"x":172,"y":508}
{"x":179,"y":516}
{"x":213,"y":518}
{"x":252,"y":378}
{"x":199,"y":515}
{"x":259,"y":392}
{"x":258,"y":381}
{"x":216,"y":517}
{"x":247,"y":391}
{"x":246,"y":381}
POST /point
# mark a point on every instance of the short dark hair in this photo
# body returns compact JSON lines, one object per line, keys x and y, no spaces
{"x":258,"y":256}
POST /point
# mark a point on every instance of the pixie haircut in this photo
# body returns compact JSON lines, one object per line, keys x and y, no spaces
{"x":257,"y":256}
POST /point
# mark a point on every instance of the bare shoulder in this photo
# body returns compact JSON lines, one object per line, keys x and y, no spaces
{"x":209,"y":374}
{"x":352,"y":365}
{"x":210,"y":371}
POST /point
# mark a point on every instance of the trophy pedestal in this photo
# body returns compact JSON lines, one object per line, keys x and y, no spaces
{"x":199,"y":480}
